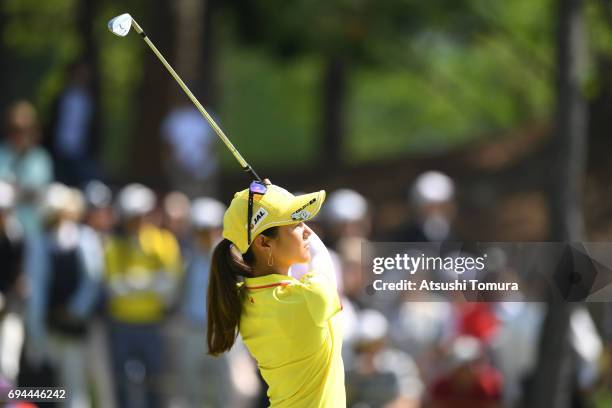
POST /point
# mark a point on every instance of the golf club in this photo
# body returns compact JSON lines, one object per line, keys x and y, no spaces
{"x":120,"y":26}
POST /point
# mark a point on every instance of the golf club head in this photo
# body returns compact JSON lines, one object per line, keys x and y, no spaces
{"x":120,"y":25}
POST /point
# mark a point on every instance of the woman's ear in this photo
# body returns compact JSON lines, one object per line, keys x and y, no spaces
{"x":262,"y":242}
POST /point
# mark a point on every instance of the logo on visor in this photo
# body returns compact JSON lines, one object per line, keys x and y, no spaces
{"x":258,"y":217}
{"x":301,"y":214}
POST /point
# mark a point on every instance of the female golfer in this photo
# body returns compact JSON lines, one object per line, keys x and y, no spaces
{"x":290,"y":326}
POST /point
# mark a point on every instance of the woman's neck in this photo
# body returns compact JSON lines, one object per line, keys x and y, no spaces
{"x":263,"y":270}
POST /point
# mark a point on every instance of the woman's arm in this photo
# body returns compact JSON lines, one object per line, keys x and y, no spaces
{"x":320,"y":260}
{"x":319,"y":284}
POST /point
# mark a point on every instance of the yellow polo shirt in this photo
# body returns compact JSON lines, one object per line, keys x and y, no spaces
{"x":292,"y":328}
{"x":155,"y":252}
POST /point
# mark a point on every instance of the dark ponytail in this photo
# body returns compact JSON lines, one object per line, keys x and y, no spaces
{"x":225,"y":297}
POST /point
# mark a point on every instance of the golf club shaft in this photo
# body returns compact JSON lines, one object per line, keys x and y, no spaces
{"x":246,"y":167}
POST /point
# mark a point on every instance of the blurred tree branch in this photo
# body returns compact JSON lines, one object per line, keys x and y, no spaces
{"x":552,"y":384}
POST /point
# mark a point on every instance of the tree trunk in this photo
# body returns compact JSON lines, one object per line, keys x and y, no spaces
{"x":570,"y":124}
{"x":195,"y":49}
{"x":600,"y":110}
{"x":85,"y":20}
{"x":153,"y":98}
{"x":85,"y":16}
{"x":334,"y":101}
{"x":552,"y":385}
{"x":188,"y":44}
{"x":209,"y":87}
{"x":6,"y":78}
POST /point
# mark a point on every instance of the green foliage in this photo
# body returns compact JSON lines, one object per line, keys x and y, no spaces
{"x":424,"y":76}
{"x":599,"y":31}
{"x":348,"y":27}
{"x":121,"y":66}
{"x":268,"y":110}
{"x":34,"y":26}
{"x":41,"y":38}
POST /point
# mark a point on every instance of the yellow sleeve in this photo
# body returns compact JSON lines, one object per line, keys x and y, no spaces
{"x":321,"y":297}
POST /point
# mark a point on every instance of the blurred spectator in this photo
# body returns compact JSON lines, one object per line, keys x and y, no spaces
{"x":353,"y":282}
{"x":349,"y":251}
{"x":432,"y":200}
{"x":143,"y":268}
{"x":205,"y":379}
{"x":248,"y":387}
{"x":588,"y":349}
{"x":177,"y":209}
{"x":477,"y":320}
{"x":71,"y":133}
{"x":100,"y":218}
{"x":515,"y":345}
{"x":470,"y":381}
{"x":24,"y":163}
{"x":191,"y":165}
{"x":419,"y":328}
{"x":65,"y":288}
{"x":345,"y":215}
{"x":99,"y":214}
{"x":380,"y":376}
{"x":11,"y":286}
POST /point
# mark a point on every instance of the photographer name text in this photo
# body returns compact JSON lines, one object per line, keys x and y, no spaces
{"x":422,"y":263}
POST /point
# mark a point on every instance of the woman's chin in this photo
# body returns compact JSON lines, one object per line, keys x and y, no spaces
{"x":305,"y":258}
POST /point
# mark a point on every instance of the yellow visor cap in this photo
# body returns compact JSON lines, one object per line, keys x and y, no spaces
{"x":275,"y":208}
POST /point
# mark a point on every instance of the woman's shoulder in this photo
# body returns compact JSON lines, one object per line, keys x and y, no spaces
{"x":288,"y":290}
{"x":316,"y":277}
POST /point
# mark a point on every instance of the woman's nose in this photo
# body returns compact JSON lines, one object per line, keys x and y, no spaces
{"x":307,"y":231}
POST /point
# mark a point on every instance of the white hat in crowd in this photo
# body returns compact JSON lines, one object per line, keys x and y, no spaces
{"x":345,"y":205}
{"x":371,"y":326}
{"x":465,"y":349}
{"x":98,"y":194}
{"x":59,"y":198}
{"x":207,"y":213}
{"x":135,"y":200}
{"x":432,"y":187}
{"x":55,"y":198}
{"x":7,"y":195}
{"x":76,"y":203}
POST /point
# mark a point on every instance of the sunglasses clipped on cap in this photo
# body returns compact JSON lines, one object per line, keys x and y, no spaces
{"x":255,"y":188}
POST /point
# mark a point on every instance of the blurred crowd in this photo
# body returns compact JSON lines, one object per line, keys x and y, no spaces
{"x":103,"y":288}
